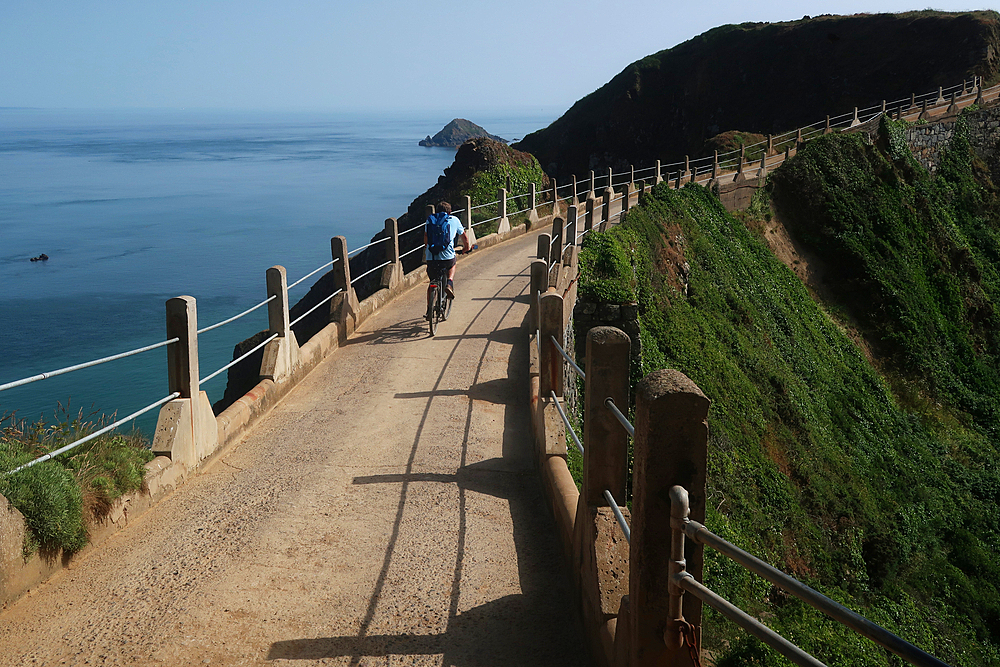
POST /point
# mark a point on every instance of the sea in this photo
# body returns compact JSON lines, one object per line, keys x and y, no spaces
{"x":135,"y":207}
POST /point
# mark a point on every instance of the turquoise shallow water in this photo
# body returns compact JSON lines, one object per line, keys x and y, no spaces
{"x":136,"y":207}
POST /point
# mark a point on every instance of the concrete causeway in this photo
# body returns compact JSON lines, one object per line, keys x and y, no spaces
{"x":386,"y":512}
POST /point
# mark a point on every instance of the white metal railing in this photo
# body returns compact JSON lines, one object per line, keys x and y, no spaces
{"x":236,"y":317}
{"x":95,"y":434}
{"x":87,"y":364}
{"x":683,"y":527}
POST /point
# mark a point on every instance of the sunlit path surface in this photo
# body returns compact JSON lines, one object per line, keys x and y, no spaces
{"x":386,"y":512}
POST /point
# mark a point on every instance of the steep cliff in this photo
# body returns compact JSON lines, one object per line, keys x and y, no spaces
{"x":764,"y":78}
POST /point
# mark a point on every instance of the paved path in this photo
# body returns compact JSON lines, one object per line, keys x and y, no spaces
{"x":386,"y":512}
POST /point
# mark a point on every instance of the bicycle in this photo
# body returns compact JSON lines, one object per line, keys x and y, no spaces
{"x":438,"y":303}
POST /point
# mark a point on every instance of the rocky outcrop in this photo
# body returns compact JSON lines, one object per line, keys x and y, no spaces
{"x":456,"y":133}
{"x":764,"y":78}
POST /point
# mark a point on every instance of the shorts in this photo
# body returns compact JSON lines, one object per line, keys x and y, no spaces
{"x":436,"y":267}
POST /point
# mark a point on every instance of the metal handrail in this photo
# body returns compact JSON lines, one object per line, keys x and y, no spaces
{"x":354,"y":252}
{"x":786,"y":648}
{"x":618,"y":515}
{"x":610,"y":404}
{"x":308,"y":312}
{"x":236,"y":317}
{"x":88,"y":364}
{"x":483,"y":222}
{"x":380,"y":266}
{"x":569,"y":427}
{"x":314,"y":272}
{"x":95,"y":434}
{"x":238,"y":359}
{"x":577,"y":369}
{"x":410,"y":252}
{"x":484,"y":205}
{"x":835,"y":610}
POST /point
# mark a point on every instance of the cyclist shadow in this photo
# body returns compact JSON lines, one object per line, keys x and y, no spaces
{"x":401,"y":332}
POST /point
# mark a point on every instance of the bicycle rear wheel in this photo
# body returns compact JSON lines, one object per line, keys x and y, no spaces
{"x":434,"y":309}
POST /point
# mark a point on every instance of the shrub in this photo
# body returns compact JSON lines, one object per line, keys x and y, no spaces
{"x":60,"y":496}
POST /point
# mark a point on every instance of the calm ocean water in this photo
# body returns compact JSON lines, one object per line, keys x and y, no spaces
{"x":134,"y":208}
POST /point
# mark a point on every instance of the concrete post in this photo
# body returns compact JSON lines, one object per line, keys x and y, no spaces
{"x":555,"y":197}
{"x":601,"y":553}
{"x":605,"y":442}
{"x":186,"y":429}
{"x":543,"y":247}
{"x":588,"y":220}
{"x":979,"y":93}
{"x":539,"y":285}
{"x":631,"y":176}
{"x":687,"y":165}
{"x":715,"y":165}
{"x":534,"y":197}
{"x":277,"y":309}
{"x":770,"y":144}
{"x":551,"y":326}
{"x":281,"y":355}
{"x":659,"y":175}
{"x":470,"y":233}
{"x":571,"y":219}
{"x":670,"y":448}
{"x":940,"y":98}
{"x":555,"y":250}
{"x":680,"y":175}
{"x":798,"y":139}
{"x":855,"y":121}
{"x":924,"y":114}
{"x":393,"y":272}
{"x":575,"y":199}
{"x":763,"y":165}
{"x":609,"y":194}
{"x":182,"y":356}
{"x":504,"y":224}
{"x":826,"y":129}
{"x":626,"y":203}
{"x":883,"y":106}
{"x":344,"y":306}
{"x":913,"y":100}
{"x":953,"y":107}
{"x":591,"y":188}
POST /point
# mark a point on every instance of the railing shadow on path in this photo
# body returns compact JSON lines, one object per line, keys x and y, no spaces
{"x":507,"y":630}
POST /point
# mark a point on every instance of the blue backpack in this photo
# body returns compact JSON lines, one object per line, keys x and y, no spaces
{"x":437,"y":232}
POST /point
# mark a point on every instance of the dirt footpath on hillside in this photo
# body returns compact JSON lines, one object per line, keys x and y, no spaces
{"x":385,"y":513}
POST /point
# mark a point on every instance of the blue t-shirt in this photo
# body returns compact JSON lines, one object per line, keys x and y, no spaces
{"x":455,"y":228}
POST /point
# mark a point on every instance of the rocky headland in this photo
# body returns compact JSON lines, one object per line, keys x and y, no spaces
{"x":456,"y":133}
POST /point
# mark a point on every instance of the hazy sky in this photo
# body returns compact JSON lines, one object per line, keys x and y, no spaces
{"x":376,"y":54}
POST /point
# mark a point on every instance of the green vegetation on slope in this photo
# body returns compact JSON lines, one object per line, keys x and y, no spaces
{"x":815,"y":465}
{"x":59,"y":496}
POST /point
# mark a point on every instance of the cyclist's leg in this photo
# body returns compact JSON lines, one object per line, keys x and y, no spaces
{"x":450,"y":285}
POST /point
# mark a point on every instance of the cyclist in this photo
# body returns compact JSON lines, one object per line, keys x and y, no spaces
{"x":443,"y":262}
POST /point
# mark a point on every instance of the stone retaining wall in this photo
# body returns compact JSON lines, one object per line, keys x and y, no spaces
{"x":929,"y":140}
